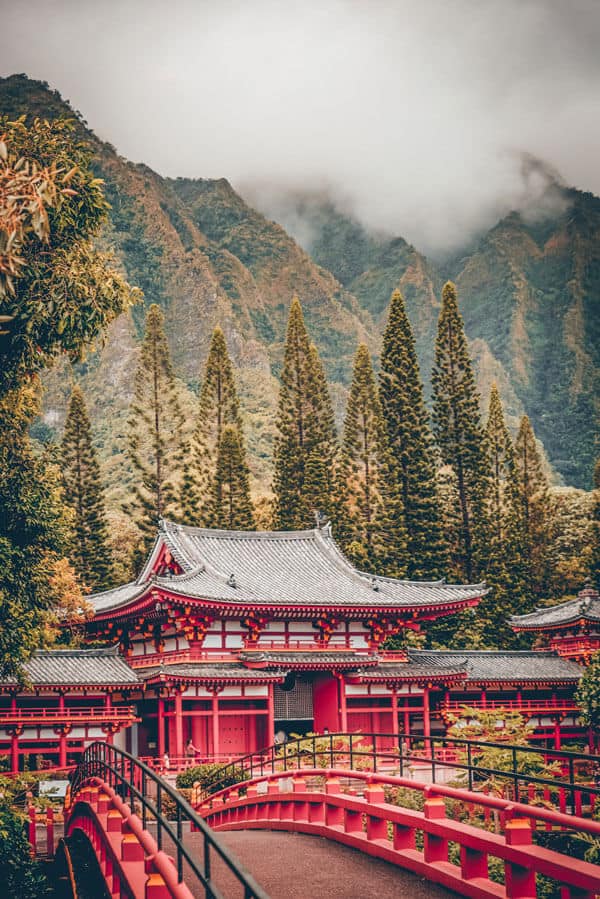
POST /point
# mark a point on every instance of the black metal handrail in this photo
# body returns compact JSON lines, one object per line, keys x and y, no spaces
{"x":360,"y":749}
{"x":130,"y":778}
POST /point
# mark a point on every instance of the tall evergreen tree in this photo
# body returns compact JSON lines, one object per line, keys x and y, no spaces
{"x":457,"y":428}
{"x":411,"y":445}
{"x":534,"y":502}
{"x":501,"y":557}
{"x":155,"y":430}
{"x":232,"y":506}
{"x":218,"y":407}
{"x":371,"y":510}
{"x":85,"y":496}
{"x":305,"y":431}
{"x":503,"y":495}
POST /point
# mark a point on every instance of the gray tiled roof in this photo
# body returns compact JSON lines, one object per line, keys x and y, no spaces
{"x":279,"y":568}
{"x":413,"y":670}
{"x":492,"y":665}
{"x":586,"y":605}
{"x":314,"y":657}
{"x":211,"y":672}
{"x":112,"y":599}
{"x":78,"y":666}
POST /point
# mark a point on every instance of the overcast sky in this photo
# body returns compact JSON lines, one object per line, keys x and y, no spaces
{"x":414,"y":112}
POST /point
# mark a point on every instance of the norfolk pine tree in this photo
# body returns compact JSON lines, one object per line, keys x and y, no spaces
{"x":501,"y":556}
{"x":218,"y":407}
{"x":155,"y":425}
{"x":534,"y":501}
{"x":370,"y":516}
{"x":411,"y":445}
{"x":83,"y":493}
{"x":232,"y":506}
{"x":305,"y":445}
{"x":458,"y":430}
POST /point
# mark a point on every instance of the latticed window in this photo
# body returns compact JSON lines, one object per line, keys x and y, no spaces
{"x":294,"y":704}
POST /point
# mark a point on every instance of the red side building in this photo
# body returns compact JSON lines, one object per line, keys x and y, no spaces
{"x":227,"y":637}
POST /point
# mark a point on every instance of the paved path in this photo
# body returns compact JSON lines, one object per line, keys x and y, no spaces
{"x":298,"y":866}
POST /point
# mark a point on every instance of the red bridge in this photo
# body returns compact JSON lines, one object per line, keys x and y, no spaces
{"x":145,"y":840}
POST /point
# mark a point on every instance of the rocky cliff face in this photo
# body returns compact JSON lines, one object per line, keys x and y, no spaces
{"x":196,"y":247}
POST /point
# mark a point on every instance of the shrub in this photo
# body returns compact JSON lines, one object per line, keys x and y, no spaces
{"x":22,"y":876}
{"x":210,"y":777}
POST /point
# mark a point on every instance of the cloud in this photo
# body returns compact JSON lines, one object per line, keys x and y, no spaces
{"x":416,"y":113}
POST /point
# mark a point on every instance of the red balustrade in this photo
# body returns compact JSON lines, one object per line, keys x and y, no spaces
{"x":81,"y":714}
{"x":533,"y":706}
{"x":327,"y":803}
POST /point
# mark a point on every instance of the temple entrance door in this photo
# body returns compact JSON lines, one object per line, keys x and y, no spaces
{"x":293,"y":706}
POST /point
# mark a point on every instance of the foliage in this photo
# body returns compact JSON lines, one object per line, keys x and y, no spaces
{"x":369,"y":520}
{"x":231,"y":503}
{"x":33,"y":533}
{"x":83,"y":493}
{"x":305,"y":426}
{"x":155,"y":430}
{"x":59,"y":291}
{"x":22,"y":876}
{"x":498,"y":726}
{"x":209,"y":777}
{"x":218,"y":408}
{"x":595,"y":541}
{"x":69,"y":609}
{"x":458,"y":430}
{"x":588,"y":694}
{"x":411,"y":445}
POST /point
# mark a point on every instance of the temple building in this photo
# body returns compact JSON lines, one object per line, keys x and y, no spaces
{"x":571,"y":629}
{"x":228,"y":637}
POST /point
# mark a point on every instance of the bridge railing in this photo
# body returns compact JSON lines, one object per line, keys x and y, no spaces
{"x":436,"y":839}
{"x":139,"y":786}
{"x":558,"y":770}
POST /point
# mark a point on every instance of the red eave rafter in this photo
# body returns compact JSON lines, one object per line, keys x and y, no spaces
{"x":564,"y":625}
{"x":233,"y":610}
{"x":206,"y":681}
{"x":406,"y":678}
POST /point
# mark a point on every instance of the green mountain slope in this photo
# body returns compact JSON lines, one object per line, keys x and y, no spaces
{"x":530,"y":295}
{"x":197,"y":249}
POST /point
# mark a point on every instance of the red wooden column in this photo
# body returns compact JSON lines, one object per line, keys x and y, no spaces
{"x":108,"y":701}
{"x":215,"y":724}
{"x":557,"y":734}
{"x":426,"y":719}
{"x":343,"y":705}
{"x":14,"y":740}
{"x":483,"y":698}
{"x":179,"y":725}
{"x":395,"y":728}
{"x":14,"y":754}
{"x":62,"y":739}
{"x":160,"y":724}
{"x":270,"y":716}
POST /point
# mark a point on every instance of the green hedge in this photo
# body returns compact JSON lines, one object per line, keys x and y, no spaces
{"x":209,"y":775}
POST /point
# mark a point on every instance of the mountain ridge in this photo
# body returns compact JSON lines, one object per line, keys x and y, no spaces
{"x":207,"y":257}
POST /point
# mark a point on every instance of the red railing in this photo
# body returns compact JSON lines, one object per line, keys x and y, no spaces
{"x":532,"y":706}
{"x":326,"y":802}
{"x":81,"y":714}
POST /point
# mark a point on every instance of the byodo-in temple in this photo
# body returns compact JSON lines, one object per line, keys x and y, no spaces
{"x":227,"y":638}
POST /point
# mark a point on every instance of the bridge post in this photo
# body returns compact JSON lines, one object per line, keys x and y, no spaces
{"x":50,"y":831}
{"x":376,"y":825}
{"x":435,"y":848}
{"x":520,"y":880}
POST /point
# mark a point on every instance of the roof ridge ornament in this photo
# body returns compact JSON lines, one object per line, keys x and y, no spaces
{"x":231,"y":581}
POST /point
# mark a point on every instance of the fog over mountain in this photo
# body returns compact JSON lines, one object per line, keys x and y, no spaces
{"x":422,"y":119}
